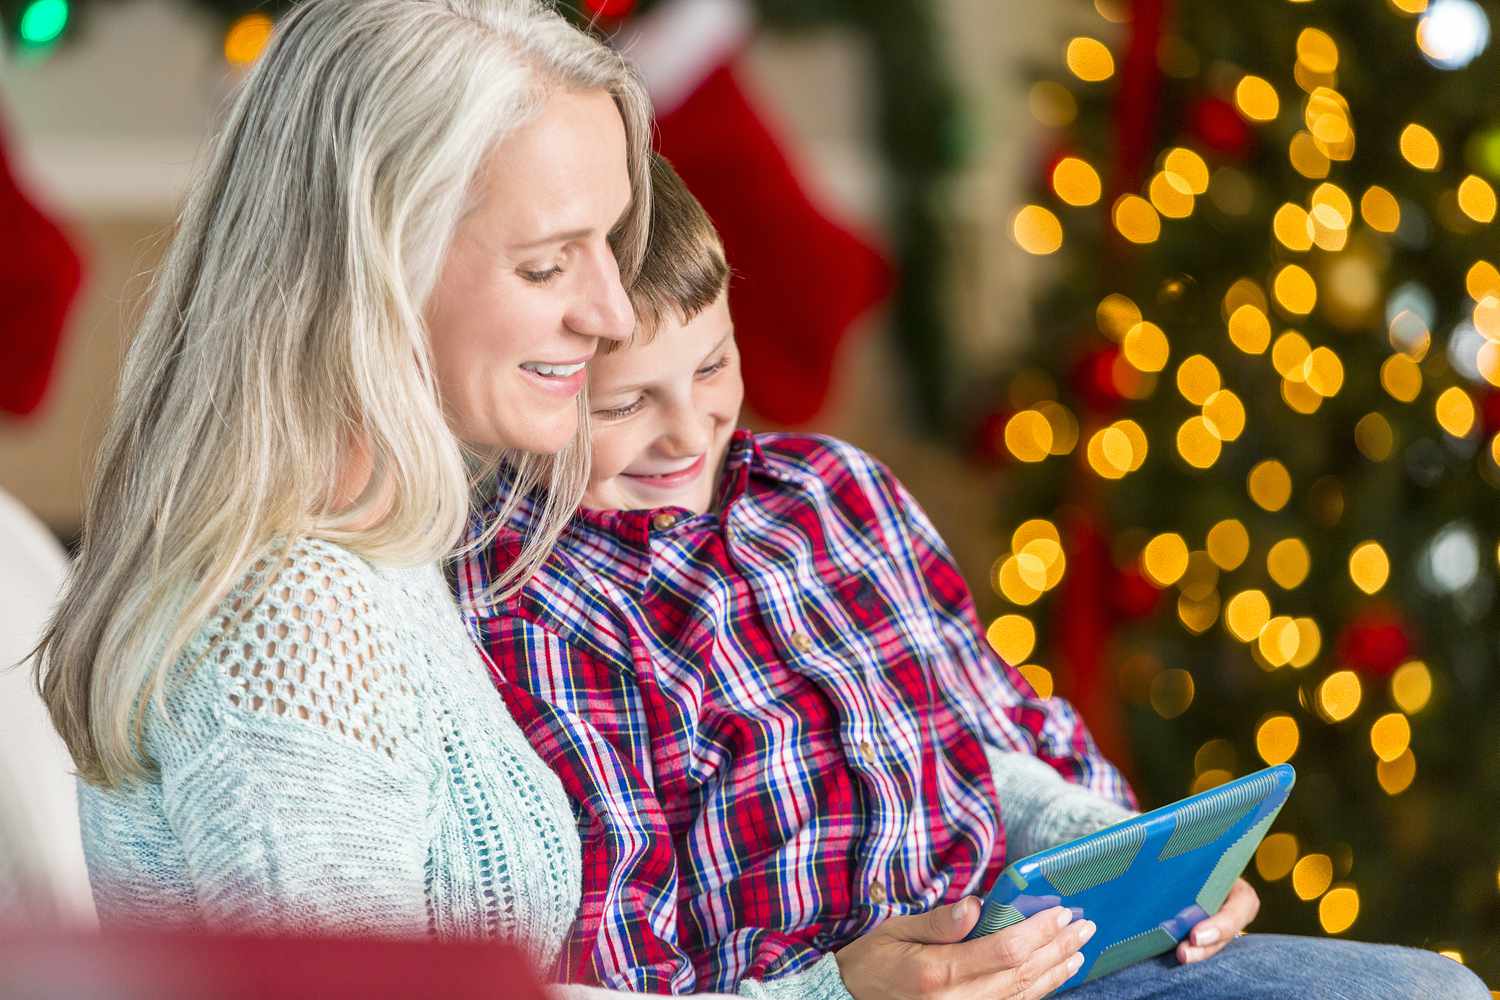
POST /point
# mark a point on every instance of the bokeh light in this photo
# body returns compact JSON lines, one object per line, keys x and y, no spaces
{"x":1246,"y":614}
{"x":1165,"y":559}
{"x":1369,"y":567}
{"x":1037,"y":230}
{"x":1136,"y":219}
{"x":1012,"y":637}
{"x":1257,"y":99}
{"x":1090,"y":60}
{"x":247,"y":38}
{"x":1276,"y":739}
{"x":1076,"y":182}
{"x":1338,"y":909}
{"x":1339,"y":695}
{"x":1390,"y":735}
{"x":1288,"y":563}
{"x":1396,"y":776}
{"x":1270,"y":485}
{"x":1228,"y":544}
{"x":1420,"y":147}
{"x":1411,"y":686}
{"x":1312,"y":876}
{"x":1275,"y":856}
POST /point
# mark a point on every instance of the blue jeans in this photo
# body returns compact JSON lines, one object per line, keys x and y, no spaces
{"x":1278,"y":967}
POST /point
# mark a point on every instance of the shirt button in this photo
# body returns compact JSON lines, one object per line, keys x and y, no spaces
{"x":663,"y":521}
{"x":867,"y":751}
{"x":877,"y":893}
{"x":802,"y":642}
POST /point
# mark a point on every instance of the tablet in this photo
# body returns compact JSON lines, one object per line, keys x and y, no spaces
{"x":1147,"y":881}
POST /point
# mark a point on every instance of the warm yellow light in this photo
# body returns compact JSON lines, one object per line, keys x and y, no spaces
{"x":1075,"y":181}
{"x":1114,"y":11}
{"x":1016,"y":586}
{"x":1209,"y":779}
{"x":1396,"y":776}
{"x":1257,"y":99}
{"x":1170,"y":195}
{"x":1197,"y":379}
{"x":1295,"y":290}
{"x":1317,"y":51}
{"x":1276,"y":739}
{"x":1135,"y":435}
{"x":1052,"y":104}
{"x":1172,"y":693}
{"x":1198,"y":614}
{"x":1037,"y":230}
{"x":1278,"y":641}
{"x":1476,"y":198}
{"x":1244,"y":292}
{"x":1136,"y":220}
{"x":1409,"y":335}
{"x":1190,"y":167}
{"x":1288,"y":563}
{"x":1339,"y":695}
{"x":1401,"y":378}
{"x":1197,"y":443}
{"x":1411,"y":686}
{"x":1249,"y":329}
{"x":1104,"y":453}
{"x":1201,"y":577}
{"x":1293,"y":227}
{"x":1299,"y":397}
{"x":1487,"y":317}
{"x":1312,"y":876}
{"x":1012,"y":637}
{"x":1455,"y":411}
{"x":1420,"y":147}
{"x":1409,"y":6}
{"x":1452,"y":953}
{"x":1116,"y":314}
{"x":1481,"y":280}
{"x":1246,"y":614}
{"x":1165,"y":559}
{"x":1146,"y":347}
{"x":1064,"y":426}
{"x":1338,"y":910}
{"x":1306,"y":158}
{"x":1380,"y":209}
{"x":247,"y":38}
{"x":1374,"y":438}
{"x":1225,"y":415}
{"x":1326,"y":116}
{"x":1040,"y":679}
{"x":1288,"y":353}
{"x":1270,"y":485}
{"x":1390,"y":735}
{"x":1309,"y":642}
{"x":1369,"y":567}
{"x":1275,"y":856}
{"x":1323,"y":372}
{"x":1228,"y":544}
{"x":1090,"y":60}
{"x":1028,"y":436}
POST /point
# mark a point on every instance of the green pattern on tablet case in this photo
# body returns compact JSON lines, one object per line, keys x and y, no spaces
{"x":1147,"y":881}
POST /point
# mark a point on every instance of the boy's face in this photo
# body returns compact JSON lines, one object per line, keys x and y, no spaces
{"x":663,"y":413}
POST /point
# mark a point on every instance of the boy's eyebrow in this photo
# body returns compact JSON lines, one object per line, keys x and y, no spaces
{"x":637,"y":387}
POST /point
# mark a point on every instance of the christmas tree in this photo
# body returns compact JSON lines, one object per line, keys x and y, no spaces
{"x":1252,"y":491}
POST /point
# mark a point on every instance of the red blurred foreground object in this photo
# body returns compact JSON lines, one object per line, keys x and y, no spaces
{"x":181,"y":966}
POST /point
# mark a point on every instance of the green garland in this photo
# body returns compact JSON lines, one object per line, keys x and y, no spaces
{"x":918,"y":125}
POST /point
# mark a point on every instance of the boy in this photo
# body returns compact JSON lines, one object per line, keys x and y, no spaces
{"x":759,"y":675}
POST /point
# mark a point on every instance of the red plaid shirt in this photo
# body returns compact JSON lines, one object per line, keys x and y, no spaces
{"x":771,"y":719}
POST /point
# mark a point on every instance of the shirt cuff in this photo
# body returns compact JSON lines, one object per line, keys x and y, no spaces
{"x":817,"y":982}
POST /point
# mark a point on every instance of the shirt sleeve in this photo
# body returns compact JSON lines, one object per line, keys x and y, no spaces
{"x":1015,"y":717}
{"x":586,"y":719}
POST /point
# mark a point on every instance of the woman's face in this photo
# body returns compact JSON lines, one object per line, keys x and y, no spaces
{"x":530,"y":284}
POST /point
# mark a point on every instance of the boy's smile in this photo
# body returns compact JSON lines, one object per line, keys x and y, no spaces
{"x":662,"y":414}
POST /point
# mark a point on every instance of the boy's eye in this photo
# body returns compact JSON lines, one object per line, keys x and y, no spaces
{"x":540,"y":277}
{"x":620,"y":412}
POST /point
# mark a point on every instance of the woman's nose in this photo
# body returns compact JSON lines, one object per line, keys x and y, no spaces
{"x":601,"y":308}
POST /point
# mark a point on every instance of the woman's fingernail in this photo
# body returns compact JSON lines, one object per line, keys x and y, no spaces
{"x":963,"y":909}
{"x":1086,"y":930}
{"x":1075,"y":962}
{"x":1206,"y":936}
{"x":1064,"y":918}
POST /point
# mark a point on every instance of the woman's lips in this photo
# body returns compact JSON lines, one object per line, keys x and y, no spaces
{"x":566,"y":386}
{"x":670,"y":480}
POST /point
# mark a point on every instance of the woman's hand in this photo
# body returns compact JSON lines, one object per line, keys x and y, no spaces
{"x":925,"y":957}
{"x":1212,"y":934}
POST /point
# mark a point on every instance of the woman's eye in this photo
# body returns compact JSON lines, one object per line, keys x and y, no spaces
{"x":540,"y":277}
{"x":619,"y":412}
{"x":714,"y":368}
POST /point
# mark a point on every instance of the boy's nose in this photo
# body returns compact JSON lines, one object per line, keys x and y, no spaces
{"x":687,"y":435}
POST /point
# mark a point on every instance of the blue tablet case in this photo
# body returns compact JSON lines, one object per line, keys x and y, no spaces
{"x":1147,"y":881}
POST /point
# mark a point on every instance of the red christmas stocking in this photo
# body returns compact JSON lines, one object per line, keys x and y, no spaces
{"x":39,"y":277}
{"x":800,"y":279}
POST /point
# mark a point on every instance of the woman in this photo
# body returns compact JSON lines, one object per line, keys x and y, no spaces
{"x":401,"y":252}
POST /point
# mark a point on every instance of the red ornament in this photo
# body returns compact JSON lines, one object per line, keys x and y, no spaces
{"x":1220,"y":127}
{"x":1133,"y":596}
{"x":1489,"y":412}
{"x":610,"y":8}
{"x":1093,"y":379}
{"x":1376,"y":642}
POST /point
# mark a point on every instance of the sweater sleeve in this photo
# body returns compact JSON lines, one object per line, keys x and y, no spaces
{"x":1041,"y":809}
{"x":290,"y":766}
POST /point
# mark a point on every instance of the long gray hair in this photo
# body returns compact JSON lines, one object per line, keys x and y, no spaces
{"x":286,"y":322}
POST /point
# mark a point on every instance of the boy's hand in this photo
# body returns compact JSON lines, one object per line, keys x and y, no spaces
{"x":925,"y":957}
{"x":1209,"y":936}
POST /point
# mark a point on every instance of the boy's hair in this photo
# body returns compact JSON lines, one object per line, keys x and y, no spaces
{"x":684,"y":270}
